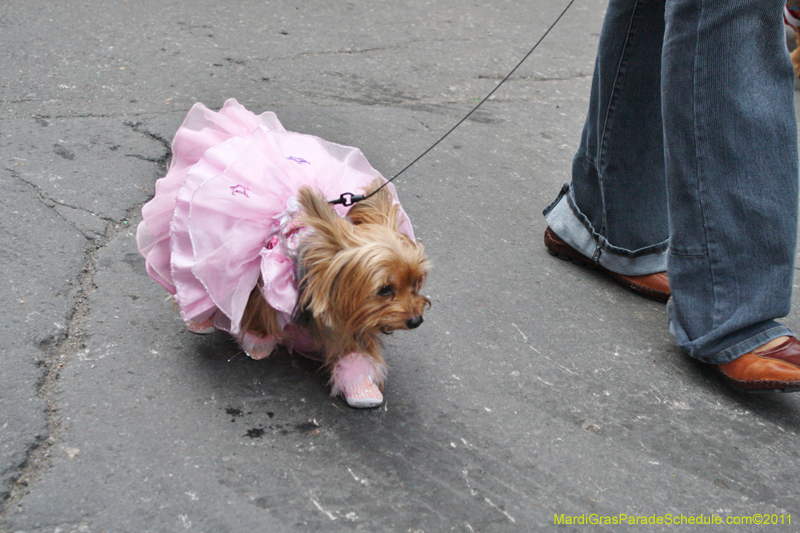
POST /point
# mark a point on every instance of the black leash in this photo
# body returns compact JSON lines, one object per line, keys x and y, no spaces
{"x":348,"y":198}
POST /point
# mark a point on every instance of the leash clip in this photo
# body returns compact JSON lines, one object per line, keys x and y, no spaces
{"x":347,"y":199}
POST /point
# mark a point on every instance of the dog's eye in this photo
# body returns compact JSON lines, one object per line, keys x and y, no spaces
{"x":386,"y":290}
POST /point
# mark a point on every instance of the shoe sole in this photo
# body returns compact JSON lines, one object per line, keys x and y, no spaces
{"x":756,"y":387}
{"x":565,"y":252}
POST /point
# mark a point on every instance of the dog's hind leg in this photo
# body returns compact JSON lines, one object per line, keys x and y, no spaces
{"x":201,"y":327}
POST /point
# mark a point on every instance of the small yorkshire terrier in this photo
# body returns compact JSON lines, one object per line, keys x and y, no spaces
{"x":359,"y":277}
{"x":241,"y":234}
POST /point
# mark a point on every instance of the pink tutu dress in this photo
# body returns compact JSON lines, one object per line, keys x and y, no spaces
{"x":211,"y":230}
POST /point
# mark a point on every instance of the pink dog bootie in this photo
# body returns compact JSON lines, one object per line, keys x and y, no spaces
{"x":257,"y":347}
{"x":357,"y":377}
{"x":201,"y":327}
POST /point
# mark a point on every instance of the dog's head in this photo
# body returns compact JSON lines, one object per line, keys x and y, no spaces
{"x":361,"y":275}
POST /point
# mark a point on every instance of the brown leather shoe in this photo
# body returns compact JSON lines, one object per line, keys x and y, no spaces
{"x":654,"y":286}
{"x":774,"y":369}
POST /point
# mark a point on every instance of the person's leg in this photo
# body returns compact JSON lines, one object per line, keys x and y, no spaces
{"x":732,"y":174}
{"x":614,"y":212}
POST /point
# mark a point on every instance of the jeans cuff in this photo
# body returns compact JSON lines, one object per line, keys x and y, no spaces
{"x":568,"y":225}
{"x":712,"y":353}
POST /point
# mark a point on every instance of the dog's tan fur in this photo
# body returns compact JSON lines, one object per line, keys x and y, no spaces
{"x":794,"y":4}
{"x":796,"y":53}
{"x":362,"y":278}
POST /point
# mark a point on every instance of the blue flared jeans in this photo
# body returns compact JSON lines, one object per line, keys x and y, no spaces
{"x":688,"y":163}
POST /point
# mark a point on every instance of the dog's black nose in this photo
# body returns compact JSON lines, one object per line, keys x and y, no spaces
{"x":414,"y":322}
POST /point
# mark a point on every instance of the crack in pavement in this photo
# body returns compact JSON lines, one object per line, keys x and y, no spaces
{"x":400,"y":46}
{"x":139,"y":128}
{"x":58,"y":349}
{"x":50,"y":203}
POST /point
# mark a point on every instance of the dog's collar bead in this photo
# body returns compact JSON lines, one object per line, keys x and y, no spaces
{"x":347,"y":199}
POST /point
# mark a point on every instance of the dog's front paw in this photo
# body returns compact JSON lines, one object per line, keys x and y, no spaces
{"x":357,"y":376}
{"x":257,"y":347}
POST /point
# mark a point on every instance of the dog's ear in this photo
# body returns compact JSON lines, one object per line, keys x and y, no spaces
{"x":318,"y":214}
{"x":321,"y":255}
{"x":378,"y":209}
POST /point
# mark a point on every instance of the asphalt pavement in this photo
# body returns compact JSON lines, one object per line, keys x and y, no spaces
{"x":536,"y":396}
